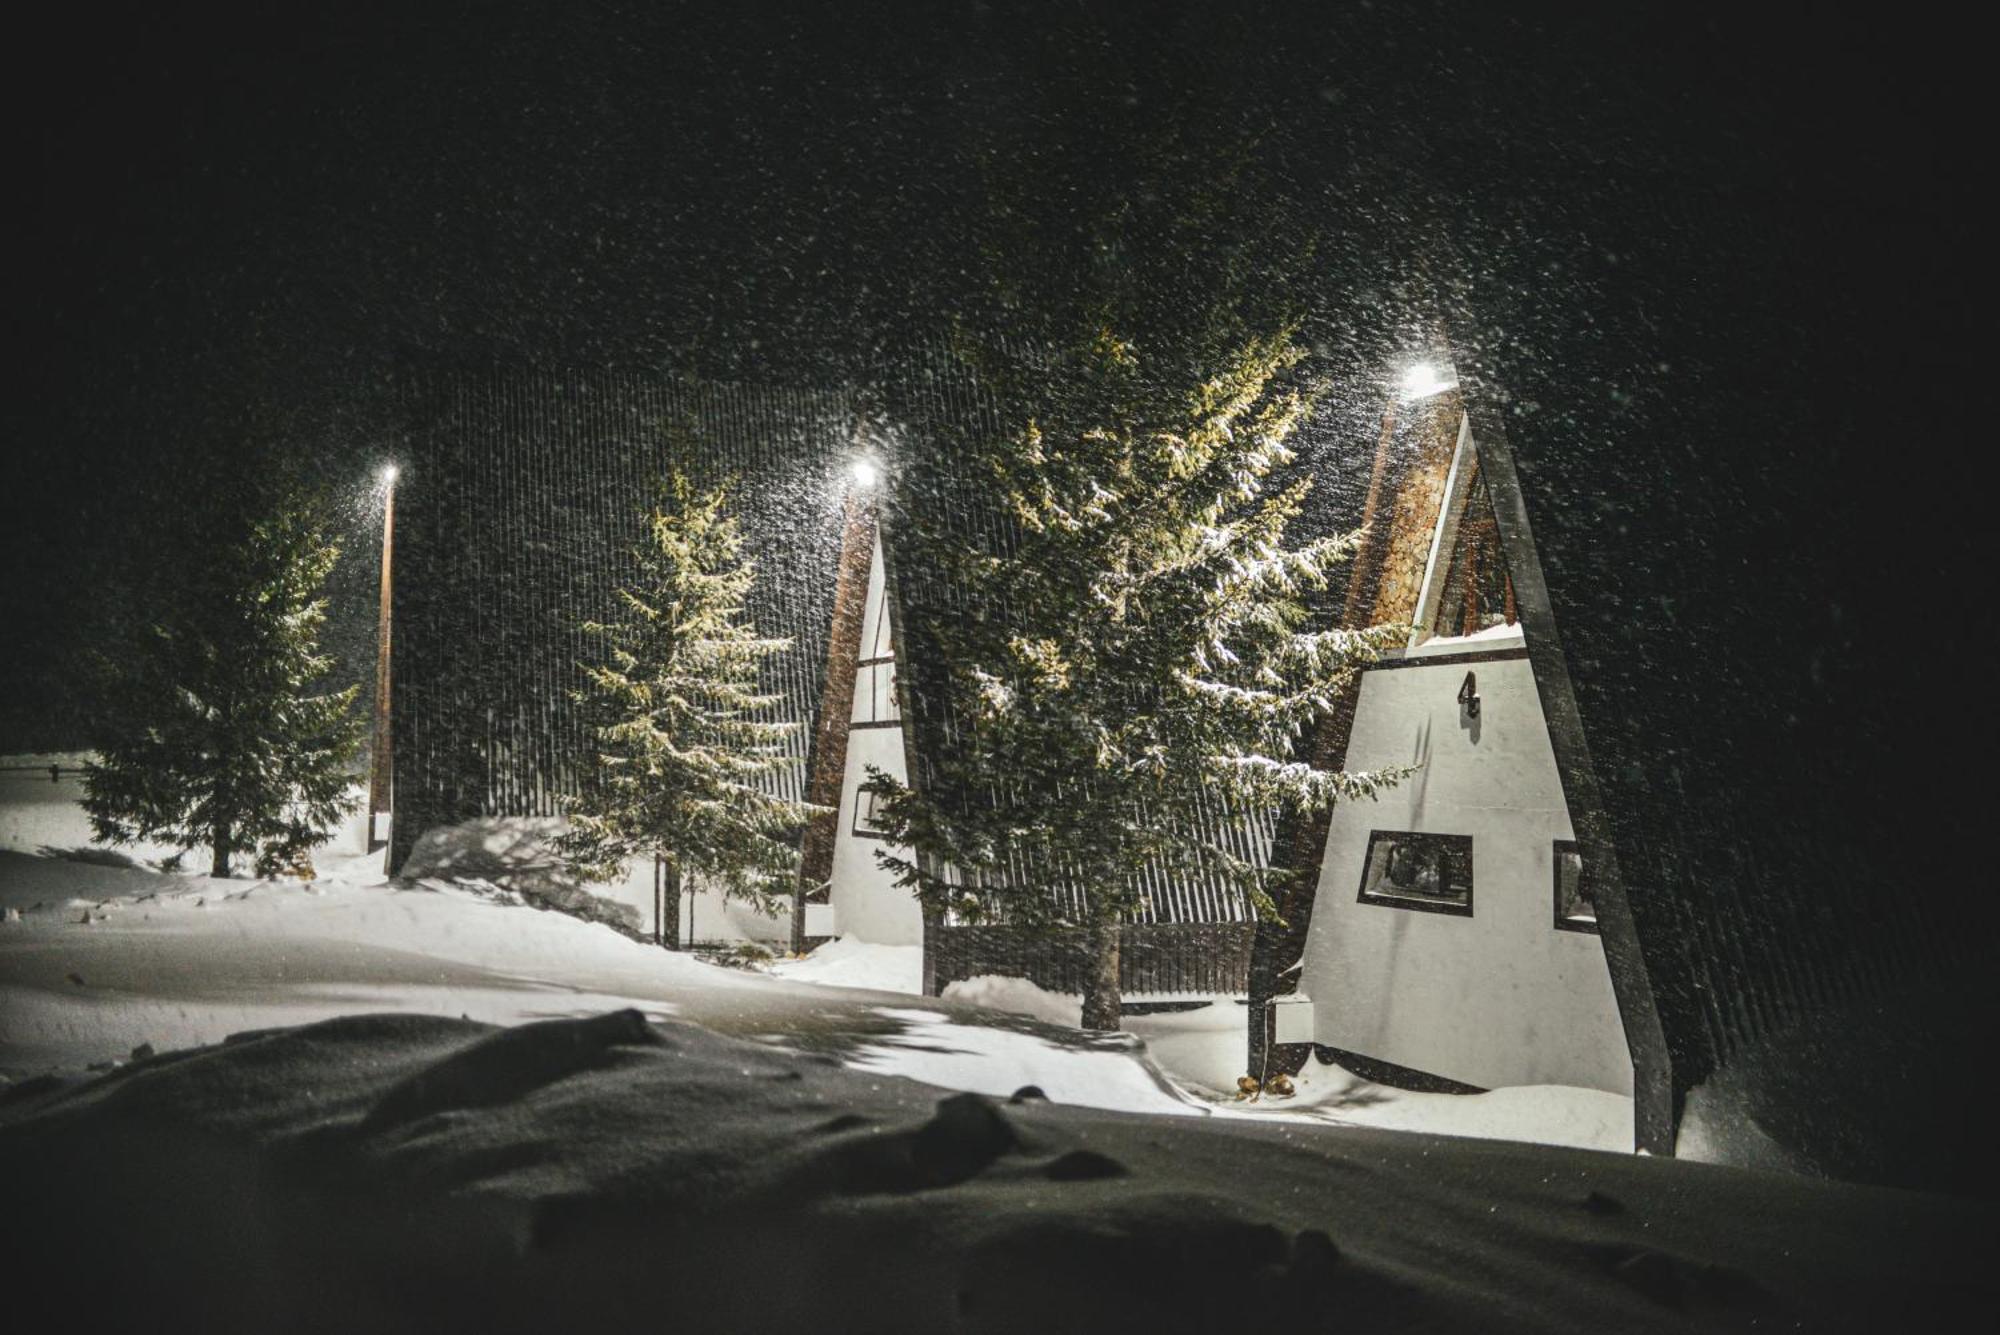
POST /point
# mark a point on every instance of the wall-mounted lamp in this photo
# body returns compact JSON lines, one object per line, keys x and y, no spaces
{"x":1468,"y":696}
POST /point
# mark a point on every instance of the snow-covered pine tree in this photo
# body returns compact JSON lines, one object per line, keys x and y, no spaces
{"x":682,"y":748}
{"x":215,"y":725}
{"x":1141,"y":661}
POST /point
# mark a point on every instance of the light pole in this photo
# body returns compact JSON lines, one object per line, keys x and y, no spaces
{"x":381,"y":773}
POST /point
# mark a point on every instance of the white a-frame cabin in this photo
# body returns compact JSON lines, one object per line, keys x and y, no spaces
{"x":1450,"y":938}
{"x":865,"y":900}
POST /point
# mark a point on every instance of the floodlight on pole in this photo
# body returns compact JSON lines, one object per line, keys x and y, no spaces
{"x":1423,"y":380}
{"x":865,"y":472}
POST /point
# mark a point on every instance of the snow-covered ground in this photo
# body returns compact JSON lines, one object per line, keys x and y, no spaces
{"x":649,"y":1140}
{"x":420,"y":1174}
{"x":1200,"y":1053}
{"x":103,"y":959}
{"x":853,"y":963}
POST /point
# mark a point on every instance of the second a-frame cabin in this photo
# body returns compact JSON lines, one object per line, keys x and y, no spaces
{"x":861,"y":728}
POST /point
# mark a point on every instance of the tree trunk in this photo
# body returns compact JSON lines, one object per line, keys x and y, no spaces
{"x":219,"y":845}
{"x":1263,"y":950}
{"x":1101,"y":1008}
{"x":659,"y":907}
{"x":670,"y":904}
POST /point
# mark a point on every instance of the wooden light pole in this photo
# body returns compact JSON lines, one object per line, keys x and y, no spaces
{"x":381,"y":772}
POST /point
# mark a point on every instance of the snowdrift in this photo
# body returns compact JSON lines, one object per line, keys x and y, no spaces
{"x":411,"y":1173}
{"x":1863,"y":1091}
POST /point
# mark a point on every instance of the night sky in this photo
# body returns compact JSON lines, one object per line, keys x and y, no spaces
{"x":230,"y":230}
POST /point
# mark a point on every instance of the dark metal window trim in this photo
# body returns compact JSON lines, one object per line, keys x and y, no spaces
{"x":864,"y":673}
{"x":1416,"y":905}
{"x":856,"y":828}
{"x":1587,"y":926}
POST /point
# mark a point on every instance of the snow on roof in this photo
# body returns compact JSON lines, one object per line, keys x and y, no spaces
{"x":1502,"y":636}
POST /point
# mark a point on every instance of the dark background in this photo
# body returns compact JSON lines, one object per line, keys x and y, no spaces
{"x":227,"y":225}
{"x":1720,"y":266}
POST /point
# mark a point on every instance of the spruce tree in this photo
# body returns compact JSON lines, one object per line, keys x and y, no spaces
{"x":215,"y":723}
{"x":683,"y":747}
{"x":1137,"y":660}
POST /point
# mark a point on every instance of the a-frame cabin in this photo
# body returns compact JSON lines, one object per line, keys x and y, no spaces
{"x":1447,"y":935}
{"x":863,"y":898}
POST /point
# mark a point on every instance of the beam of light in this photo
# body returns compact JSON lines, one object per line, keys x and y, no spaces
{"x":1422,"y":380}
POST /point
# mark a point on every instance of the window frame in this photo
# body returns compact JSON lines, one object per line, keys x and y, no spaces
{"x":1450,"y":908}
{"x":855,"y":827}
{"x":1565,"y":923}
{"x":884,"y":709}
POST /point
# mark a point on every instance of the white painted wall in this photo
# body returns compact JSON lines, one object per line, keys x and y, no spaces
{"x":40,"y":816}
{"x":706,"y":915}
{"x":1502,"y":997}
{"x":866,"y":902}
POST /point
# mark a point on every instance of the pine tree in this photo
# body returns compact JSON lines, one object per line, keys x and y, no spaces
{"x":1141,"y":662}
{"x":683,"y":752}
{"x":214,"y":724}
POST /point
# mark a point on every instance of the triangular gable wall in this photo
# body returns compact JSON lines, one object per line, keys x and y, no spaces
{"x":866,"y":901}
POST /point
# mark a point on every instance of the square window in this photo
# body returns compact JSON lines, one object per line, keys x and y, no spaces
{"x":1428,"y":872}
{"x":885,"y":686}
{"x":1576,"y":911}
{"x":864,"y":815}
{"x":875,"y":704}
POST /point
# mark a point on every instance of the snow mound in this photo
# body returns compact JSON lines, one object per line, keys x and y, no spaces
{"x":1016,"y":995}
{"x":1108,"y":1071}
{"x":507,"y":1065}
{"x":1867,"y":1091}
{"x":514,"y":855}
{"x":852,"y":962}
{"x":1550,"y":1114}
{"x":408,"y":1173}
